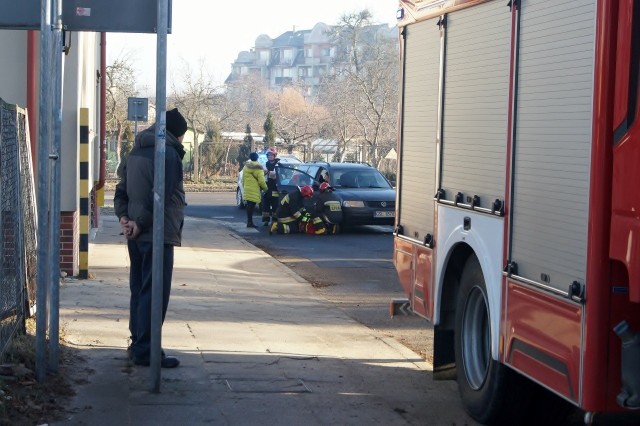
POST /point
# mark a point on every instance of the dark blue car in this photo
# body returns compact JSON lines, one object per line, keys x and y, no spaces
{"x":366,"y":196}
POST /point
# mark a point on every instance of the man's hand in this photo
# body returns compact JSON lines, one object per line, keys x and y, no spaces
{"x":133,"y":230}
{"x":124,"y":220}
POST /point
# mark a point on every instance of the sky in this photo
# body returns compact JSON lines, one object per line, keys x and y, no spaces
{"x":213,"y":32}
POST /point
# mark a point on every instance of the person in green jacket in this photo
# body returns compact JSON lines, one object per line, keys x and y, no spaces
{"x":252,"y":184}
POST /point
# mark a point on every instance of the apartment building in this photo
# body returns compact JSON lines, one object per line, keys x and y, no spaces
{"x":296,"y":57}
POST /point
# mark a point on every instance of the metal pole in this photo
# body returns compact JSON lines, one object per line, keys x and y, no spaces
{"x":158,"y":203}
{"x":135,"y":115}
{"x":44,"y":111}
{"x":54,"y":235}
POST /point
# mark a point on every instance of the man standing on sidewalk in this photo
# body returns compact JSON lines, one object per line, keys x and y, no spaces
{"x":133,"y":202}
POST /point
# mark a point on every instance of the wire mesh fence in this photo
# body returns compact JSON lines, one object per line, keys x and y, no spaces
{"x":18,"y":223}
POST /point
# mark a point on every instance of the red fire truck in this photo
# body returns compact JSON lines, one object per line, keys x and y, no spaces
{"x":518,"y":200}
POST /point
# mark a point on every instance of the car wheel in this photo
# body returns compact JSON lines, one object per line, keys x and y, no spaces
{"x":239,"y":200}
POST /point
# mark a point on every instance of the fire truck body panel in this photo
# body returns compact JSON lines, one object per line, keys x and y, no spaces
{"x":475,"y":107}
{"x":543,"y":338}
{"x":419,"y":180}
{"x":522,"y":121}
{"x":552,"y":154}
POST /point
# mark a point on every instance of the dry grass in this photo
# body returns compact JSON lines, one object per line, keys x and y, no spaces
{"x":23,"y":400}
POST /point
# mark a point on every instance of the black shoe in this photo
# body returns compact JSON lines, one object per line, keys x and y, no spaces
{"x":166,"y":362}
{"x":251,"y":225}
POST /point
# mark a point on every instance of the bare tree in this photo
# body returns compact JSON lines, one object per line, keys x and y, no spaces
{"x":340,"y":100}
{"x":247,"y":101}
{"x":377,"y":82}
{"x":296,"y":118}
{"x":194,"y":97}
{"x":349,"y":38}
{"x":121,"y":84}
{"x":367,"y":70}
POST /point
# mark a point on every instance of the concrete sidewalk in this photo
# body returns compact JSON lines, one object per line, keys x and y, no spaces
{"x":256,"y":346}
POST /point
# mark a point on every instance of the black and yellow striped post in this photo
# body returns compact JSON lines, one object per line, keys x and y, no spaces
{"x":84,"y":194}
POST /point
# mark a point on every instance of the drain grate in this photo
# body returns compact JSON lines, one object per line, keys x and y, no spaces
{"x":267,"y":386}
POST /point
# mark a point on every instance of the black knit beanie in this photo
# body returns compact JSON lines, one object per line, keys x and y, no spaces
{"x":176,"y":123}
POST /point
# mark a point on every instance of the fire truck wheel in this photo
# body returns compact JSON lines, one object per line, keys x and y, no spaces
{"x":483,"y":382}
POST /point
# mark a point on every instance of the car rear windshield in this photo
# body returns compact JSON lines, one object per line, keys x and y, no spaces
{"x":365,"y":178}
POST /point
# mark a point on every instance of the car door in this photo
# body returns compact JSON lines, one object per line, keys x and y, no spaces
{"x":289,"y":179}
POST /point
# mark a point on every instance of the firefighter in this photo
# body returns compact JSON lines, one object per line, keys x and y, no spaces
{"x":317,"y":218}
{"x":329,"y":208}
{"x":270,"y":198}
{"x":290,"y":211}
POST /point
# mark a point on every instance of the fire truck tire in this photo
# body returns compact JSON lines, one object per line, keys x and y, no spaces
{"x":485,"y":385}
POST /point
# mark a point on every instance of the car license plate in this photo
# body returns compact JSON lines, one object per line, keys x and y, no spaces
{"x":384,"y":214}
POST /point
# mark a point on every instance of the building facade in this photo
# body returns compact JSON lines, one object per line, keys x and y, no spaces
{"x":299,"y":57}
{"x":80,"y":145}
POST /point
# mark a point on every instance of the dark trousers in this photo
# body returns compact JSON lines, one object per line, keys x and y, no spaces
{"x":270,"y":201}
{"x":251,"y":206}
{"x":140,"y":282}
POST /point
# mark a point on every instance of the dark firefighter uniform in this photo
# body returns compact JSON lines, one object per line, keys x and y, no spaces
{"x":329,"y":209}
{"x":271,"y":197}
{"x":290,"y":211}
{"x":312,"y":222}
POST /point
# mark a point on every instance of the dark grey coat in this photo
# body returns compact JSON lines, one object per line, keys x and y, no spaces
{"x":134,"y":192}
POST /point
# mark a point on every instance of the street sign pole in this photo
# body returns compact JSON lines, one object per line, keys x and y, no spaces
{"x":54,"y":229}
{"x":158,"y":204}
{"x":44,"y":134}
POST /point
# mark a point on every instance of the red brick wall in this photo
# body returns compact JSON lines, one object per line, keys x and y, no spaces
{"x":69,"y":242}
